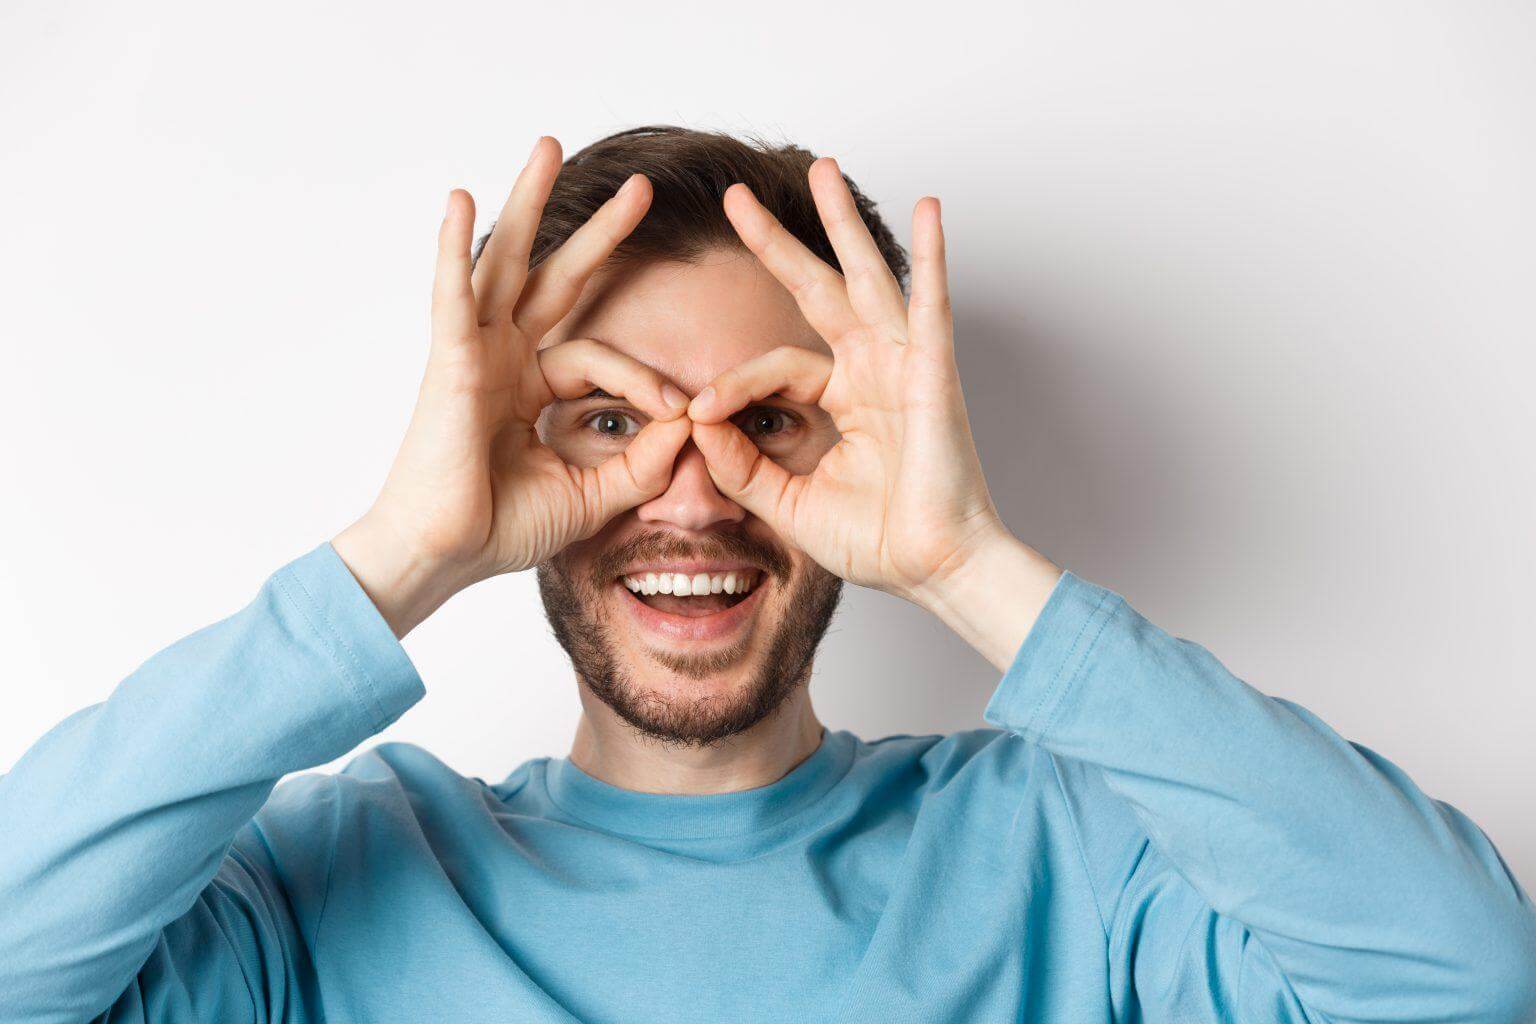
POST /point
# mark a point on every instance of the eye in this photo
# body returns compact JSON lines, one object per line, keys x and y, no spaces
{"x":613,"y":423}
{"x":764,"y":421}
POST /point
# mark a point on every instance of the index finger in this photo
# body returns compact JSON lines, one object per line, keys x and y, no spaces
{"x":573,"y":369}
{"x":798,"y":374}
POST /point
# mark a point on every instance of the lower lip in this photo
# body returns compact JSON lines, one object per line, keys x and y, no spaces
{"x":718,"y":626}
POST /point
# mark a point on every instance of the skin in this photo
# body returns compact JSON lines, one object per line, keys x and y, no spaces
{"x":691,"y":323}
{"x":882,"y":488}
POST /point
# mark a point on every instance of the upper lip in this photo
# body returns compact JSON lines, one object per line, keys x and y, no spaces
{"x":690,"y":568}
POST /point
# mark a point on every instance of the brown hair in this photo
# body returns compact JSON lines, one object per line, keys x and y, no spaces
{"x":689,"y":172}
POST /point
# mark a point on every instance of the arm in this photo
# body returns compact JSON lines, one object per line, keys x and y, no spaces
{"x":1371,"y":900}
{"x":1365,"y":898}
{"x":118,"y":820}
{"x":127,"y":871}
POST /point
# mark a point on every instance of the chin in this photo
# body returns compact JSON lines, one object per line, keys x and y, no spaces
{"x":696,"y":702}
{"x":689,"y":674}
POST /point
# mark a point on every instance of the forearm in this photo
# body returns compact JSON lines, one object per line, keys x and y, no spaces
{"x":118,"y":817}
{"x":406,"y":588}
{"x":992,"y":595}
{"x":1354,"y":880}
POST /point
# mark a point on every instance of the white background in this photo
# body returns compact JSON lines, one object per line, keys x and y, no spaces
{"x":1244,"y":299}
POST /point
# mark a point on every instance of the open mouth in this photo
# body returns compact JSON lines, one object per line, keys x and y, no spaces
{"x":693,"y":595}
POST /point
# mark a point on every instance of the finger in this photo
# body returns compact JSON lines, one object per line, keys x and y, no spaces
{"x":799,"y":374}
{"x":744,"y":474}
{"x":818,"y":289}
{"x":638,"y":473}
{"x":930,"y":320}
{"x":872,"y":289}
{"x":553,"y":288}
{"x":503,"y":265}
{"x":574,"y":369}
{"x":453,"y":299}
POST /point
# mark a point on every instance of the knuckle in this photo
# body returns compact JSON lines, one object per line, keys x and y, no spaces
{"x":730,"y":394}
{"x":573,"y":356}
{"x":564,"y":280}
{"x":866,"y":273}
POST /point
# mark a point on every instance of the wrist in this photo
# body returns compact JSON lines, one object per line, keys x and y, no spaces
{"x":403,"y":585}
{"x":991,"y":593}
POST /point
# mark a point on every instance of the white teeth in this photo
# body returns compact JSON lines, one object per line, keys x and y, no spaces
{"x":699,"y":584}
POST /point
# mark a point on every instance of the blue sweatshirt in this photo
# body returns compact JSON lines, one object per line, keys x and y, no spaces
{"x":1139,"y":837}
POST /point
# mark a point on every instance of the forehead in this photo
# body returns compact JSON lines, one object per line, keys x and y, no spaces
{"x":689,"y":321}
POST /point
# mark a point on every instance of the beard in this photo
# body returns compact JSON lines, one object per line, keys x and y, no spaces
{"x":573,"y":601}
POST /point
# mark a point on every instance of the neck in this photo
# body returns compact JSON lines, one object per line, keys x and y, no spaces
{"x":613,"y":751}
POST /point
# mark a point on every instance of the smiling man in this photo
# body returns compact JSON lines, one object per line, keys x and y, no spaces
{"x":685,"y":378}
{"x":689,"y":620}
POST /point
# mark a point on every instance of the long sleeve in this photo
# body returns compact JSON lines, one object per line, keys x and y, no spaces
{"x":120,"y":878}
{"x":1311,"y":878}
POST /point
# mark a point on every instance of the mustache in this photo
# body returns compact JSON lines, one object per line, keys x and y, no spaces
{"x":715,"y":546}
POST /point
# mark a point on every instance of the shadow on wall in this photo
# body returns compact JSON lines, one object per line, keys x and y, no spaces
{"x":1085,"y":460}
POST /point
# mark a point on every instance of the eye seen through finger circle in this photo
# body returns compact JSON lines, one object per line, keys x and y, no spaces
{"x":765,"y":422}
{"x":613,"y":423}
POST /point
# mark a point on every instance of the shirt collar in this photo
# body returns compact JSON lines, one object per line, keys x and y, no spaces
{"x":700,"y":816}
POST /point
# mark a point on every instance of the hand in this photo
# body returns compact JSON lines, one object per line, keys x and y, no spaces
{"x":473,"y":492}
{"x":900,"y":503}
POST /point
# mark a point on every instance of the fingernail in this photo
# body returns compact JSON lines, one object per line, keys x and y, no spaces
{"x":703,"y":398}
{"x":628,"y":186}
{"x":669,"y":394}
{"x":535,"y":151}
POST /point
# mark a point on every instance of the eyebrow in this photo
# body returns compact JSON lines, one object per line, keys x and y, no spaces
{"x":594,"y":393}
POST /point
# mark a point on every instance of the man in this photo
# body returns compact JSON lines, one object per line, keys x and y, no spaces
{"x":666,"y":398}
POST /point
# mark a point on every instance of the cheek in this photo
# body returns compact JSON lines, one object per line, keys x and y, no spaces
{"x":800,"y":564}
{"x":580,"y":448}
{"x":583,"y":553}
{"x":802,"y":456}
{"x":574,"y":563}
{"x":572,"y":445}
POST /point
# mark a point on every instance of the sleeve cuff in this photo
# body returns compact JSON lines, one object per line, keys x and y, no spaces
{"x":1052,"y":657}
{"x":381,"y":676}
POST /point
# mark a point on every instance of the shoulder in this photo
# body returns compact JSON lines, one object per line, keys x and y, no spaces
{"x":995,"y":768}
{"x":1000,"y":758}
{"x":977,"y":767}
{"x":943,"y":756}
{"x":308,"y":814}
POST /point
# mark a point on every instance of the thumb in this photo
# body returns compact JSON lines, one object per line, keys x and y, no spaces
{"x":638,"y":473}
{"x":745,"y":475}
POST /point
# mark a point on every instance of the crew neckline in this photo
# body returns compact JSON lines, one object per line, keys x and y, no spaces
{"x":701,"y":815}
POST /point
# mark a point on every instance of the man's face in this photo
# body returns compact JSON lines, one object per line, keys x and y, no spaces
{"x":685,"y":667}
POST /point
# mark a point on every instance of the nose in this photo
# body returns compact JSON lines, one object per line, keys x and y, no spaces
{"x":691,"y":501}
